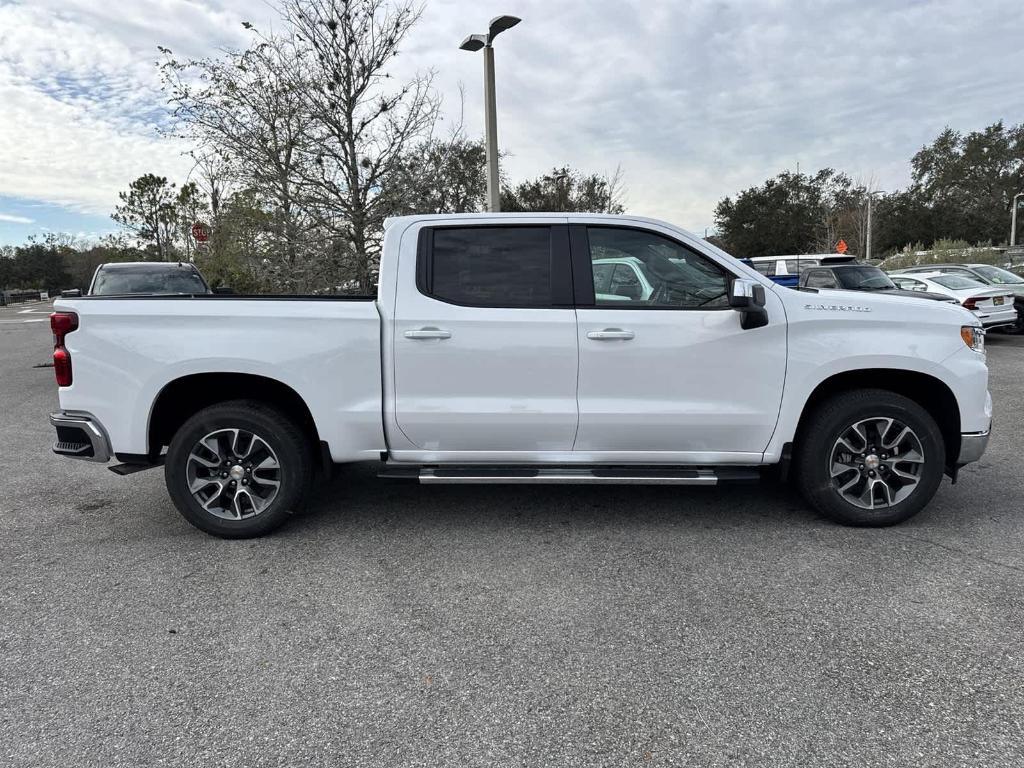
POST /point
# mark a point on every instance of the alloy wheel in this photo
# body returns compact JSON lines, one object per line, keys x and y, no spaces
{"x":233,"y":474}
{"x":876,"y":463}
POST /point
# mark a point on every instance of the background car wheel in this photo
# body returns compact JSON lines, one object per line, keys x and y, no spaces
{"x":238,"y":469}
{"x":870,"y":458}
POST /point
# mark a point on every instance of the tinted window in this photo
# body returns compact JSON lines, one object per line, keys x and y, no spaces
{"x":626,"y":282}
{"x":121,"y":281}
{"x":653,"y":271}
{"x":795,"y":266}
{"x":765,"y":267}
{"x":603,"y":277}
{"x":820,"y":278}
{"x":492,"y":266}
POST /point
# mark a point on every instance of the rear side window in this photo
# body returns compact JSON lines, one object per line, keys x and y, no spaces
{"x":603,"y":277}
{"x":821,"y":278}
{"x":796,"y":266}
{"x":488,"y":266}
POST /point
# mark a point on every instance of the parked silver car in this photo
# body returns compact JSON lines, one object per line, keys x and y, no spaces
{"x":992,"y":306}
{"x":989,"y":274}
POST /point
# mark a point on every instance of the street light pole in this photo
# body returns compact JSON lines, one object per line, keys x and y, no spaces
{"x":485,"y":42}
{"x":1013,"y":220}
{"x":491,"y":132}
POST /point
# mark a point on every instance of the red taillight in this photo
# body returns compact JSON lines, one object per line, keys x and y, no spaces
{"x":971,"y":303}
{"x":62,"y":366}
{"x":62,"y":323}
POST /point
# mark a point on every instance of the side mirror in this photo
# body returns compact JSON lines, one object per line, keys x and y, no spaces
{"x":748,"y":298}
{"x":224,"y":290}
{"x":71,"y":293}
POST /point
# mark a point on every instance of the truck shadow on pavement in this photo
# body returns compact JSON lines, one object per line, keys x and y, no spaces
{"x":355,"y":496}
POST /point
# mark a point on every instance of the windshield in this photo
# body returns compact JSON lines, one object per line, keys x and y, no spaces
{"x":864,"y":278}
{"x":998,"y":275}
{"x":114,"y":282}
{"x":957,"y":282}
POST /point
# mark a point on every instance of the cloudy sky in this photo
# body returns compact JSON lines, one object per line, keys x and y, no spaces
{"x":694,"y":99}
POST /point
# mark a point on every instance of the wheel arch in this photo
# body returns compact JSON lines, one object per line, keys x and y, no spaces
{"x":180,"y":398}
{"x":930,"y":393}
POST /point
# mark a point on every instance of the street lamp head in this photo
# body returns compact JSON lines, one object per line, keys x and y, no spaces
{"x":499,"y":24}
{"x":474,"y":43}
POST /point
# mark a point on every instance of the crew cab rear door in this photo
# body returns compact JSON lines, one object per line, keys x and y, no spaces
{"x":485,"y":346}
{"x":671,"y":376}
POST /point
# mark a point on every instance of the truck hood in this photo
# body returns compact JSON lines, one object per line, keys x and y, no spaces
{"x":875,"y":306}
{"x":912,"y":294}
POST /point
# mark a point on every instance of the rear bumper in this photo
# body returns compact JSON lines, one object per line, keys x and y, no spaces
{"x":991,"y":326}
{"x":80,"y":436}
{"x":997,"y":318}
{"x":972,"y":446}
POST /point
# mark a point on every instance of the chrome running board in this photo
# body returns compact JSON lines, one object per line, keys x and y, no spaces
{"x":569,"y":476}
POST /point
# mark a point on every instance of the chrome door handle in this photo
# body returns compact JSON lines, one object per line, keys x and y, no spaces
{"x":611,"y":334}
{"x":428,"y":333}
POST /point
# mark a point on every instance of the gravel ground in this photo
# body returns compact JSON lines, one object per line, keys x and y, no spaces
{"x":395,"y":625}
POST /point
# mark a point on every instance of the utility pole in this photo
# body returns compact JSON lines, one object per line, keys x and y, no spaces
{"x":476,"y":43}
{"x":1013,"y":219}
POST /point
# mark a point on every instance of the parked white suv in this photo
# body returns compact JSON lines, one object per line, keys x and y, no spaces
{"x":487,"y":356}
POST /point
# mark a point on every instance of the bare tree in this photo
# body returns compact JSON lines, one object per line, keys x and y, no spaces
{"x":246,"y":111}
{"x":214,"y":176}
{"x":360,"y":125}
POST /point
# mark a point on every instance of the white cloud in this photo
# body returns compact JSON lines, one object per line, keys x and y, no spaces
{"x":81,"y":95}
{"x":695,"y":99}
{"x":700,"y":98}
{"x":11,"y":218}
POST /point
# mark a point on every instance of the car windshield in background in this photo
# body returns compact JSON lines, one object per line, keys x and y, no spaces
{"x":998,"y":275}
{"x":957,"y":282}
{"x":863,"y":279}
{"x":118,"y":282}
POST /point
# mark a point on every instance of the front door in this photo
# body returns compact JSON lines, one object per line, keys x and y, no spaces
{"x":485,"y":347}
{"x":665,"y":369}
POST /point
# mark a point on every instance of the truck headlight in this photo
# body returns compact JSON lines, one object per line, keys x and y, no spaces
{"x":974,"y":337}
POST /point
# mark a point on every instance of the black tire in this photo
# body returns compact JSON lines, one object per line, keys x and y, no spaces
{"x":831,"y":420}
{"x":291,"y":452}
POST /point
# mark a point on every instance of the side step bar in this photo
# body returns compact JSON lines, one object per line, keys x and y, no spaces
{"x":481,"y":475}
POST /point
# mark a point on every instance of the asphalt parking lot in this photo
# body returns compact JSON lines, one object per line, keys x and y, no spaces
{"x":394,"y":625}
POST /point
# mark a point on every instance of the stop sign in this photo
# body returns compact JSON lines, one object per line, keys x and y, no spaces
{"x":200,"y":232}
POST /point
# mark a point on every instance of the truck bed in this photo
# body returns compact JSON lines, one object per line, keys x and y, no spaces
{"x":127,"y":350}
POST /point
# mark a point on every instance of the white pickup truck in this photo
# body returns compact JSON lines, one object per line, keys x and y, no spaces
{"x":488,"y":356}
